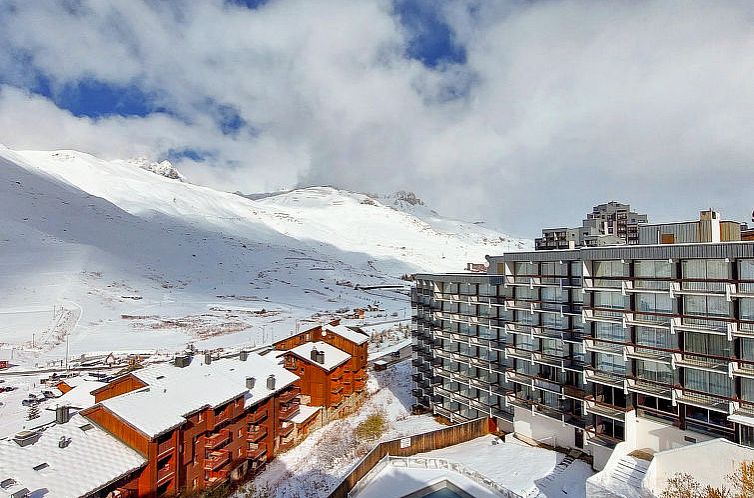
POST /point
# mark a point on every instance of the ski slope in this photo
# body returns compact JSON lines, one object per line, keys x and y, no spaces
{"x":123,"y":254}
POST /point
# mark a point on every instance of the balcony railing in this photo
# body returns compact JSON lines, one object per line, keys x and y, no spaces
{"x":216,"y":459}
{"x":289,"y":394}
{"x":218,"y":439}
{"x":288,"y":411}
{"x":256,"y":434}
{"x":258,"y":415}
{"x":256,"y":451}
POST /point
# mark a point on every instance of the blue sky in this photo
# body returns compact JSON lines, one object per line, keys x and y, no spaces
{"x":482,"y":107}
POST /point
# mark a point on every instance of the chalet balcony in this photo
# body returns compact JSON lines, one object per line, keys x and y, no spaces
{"x":359,"y":384}
{"x":256,"y":451}
{"x":289,"y":394}
{"x":285,"y":429}
{"x":288,"y":411}
{"x":164,"y":473}
{"x":216,"y":459}
{"x":165,"y":448}
{"x":217,"y":440}
{"x":336,"y":399}
{"x":258,"y":415}
{"x":256,"y":435}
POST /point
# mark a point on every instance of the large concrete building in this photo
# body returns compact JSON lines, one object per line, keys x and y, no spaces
{"x":608,"y":224}
{"x":650,"y":347}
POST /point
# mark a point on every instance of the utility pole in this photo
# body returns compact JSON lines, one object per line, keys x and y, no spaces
{"x":67,"y":336}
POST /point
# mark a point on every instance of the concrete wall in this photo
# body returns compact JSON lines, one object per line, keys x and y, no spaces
{"x":543,"y":429}
{"x":709,"y":462}
{"x":660,"y":437}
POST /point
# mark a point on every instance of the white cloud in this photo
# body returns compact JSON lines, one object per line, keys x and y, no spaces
{"x":570,"y":103}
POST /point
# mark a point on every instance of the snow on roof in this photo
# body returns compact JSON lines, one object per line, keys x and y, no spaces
{"x":260,"y":368}
{"x":174,"y":392}
{"x":80,"y":396}
{"x":90,"y":460}
{"x":333,"y":355}
{"x":305,"y":413}
{"x":347,"y":333}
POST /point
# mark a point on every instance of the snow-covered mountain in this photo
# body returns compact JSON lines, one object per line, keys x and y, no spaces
{"x":126,"y":254}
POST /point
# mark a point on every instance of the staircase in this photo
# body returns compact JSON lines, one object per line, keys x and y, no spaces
{"x":559,"y":469}
{"x":630,"y":470}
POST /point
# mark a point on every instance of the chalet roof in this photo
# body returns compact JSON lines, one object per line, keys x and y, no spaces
{"x":333,"y":356}
{"x":173,"y":393}
{"x":79,"y":396}
{"x":347,"y":333}
{"x":90,"y":460}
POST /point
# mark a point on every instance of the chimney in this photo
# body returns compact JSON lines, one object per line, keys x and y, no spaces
{"x":321,"y":357}
{"x":207,"y":358}
{"x":250,"y":382}
{"x":243,"y":355}
{"x":182,"y":361}
{"x":314,"y":354}
{"x":64,"y":442}
{"x":62,"y":414}
{"x":271,"y":382}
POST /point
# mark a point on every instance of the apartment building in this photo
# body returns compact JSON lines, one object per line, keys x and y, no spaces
{"x":198,"y":423}
{"x":586,"y":348}
{"x":331,"y":363}
{"x":608,"y":224}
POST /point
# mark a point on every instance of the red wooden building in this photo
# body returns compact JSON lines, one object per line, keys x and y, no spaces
{"x":200,"y":424}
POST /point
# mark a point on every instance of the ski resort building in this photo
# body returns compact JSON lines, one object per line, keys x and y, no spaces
{"x":647,"y":347}
{"x":331,"y":364}
{"x":199,"y":423}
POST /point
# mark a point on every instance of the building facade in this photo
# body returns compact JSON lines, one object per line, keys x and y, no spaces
{"x":585,"y":348}
{"x":608,"y":224}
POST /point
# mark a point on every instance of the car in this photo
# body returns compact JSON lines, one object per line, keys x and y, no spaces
{"x":29,"y":402}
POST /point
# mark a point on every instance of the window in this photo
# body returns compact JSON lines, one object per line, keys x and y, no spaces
{"x":715,"y":306}
{"x":654,"y":303}
{"x":698,"y":270}
{"x":651,"y":270}
{"x":708,"y":382}
{"x":746,"y":312}
{"x":613,"y":300}
{"x":610,"y":364}
{"x":655,"y":372}
{"x":713,"y":345}
{"x":609,"y":331}
{"x":656,"y":338}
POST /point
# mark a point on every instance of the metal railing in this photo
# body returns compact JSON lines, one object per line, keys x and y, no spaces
{"x":434,"y":464}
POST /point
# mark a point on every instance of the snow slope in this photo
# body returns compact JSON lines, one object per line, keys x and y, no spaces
{"x":127,"y":255}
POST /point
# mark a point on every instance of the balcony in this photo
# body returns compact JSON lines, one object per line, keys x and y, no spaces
{"x":285,"y":429}
{"x":256,"y":451}
{"x":359,"y":385}
{"x":604,"y":440}
{"x":164,"y":473}
{"x":289,"y":394}
{"x":256,"y":435}
{"x":287,"y":411}
{"x":650,"y":388}
{"x":216,"y":440}
{"x":216,"y":459}
{"x":165,"y":448}
{"x":606,"y":378}
{"x":258,"y":415}
{"x":605,"y":410}
{"x":703,"y":400}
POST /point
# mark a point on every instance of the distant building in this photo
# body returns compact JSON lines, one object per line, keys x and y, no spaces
{"x":709,"y":228}
{"x":6,"y":354}
{"x":611,"y":223}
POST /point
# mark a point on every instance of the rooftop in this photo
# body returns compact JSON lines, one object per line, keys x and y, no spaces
{"x":89,"y":460}
{"x":347,"y":333}
{"x":175,"y":393}
{"x":333,"y":356}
